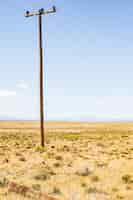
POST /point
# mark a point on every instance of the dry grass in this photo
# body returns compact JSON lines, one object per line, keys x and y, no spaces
{"x":80,"y":161}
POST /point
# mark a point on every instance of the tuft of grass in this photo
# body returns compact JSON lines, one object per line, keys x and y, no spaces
{"x":114,"y":189}
{"x":95,"y":178}
{"x":71,"y":136}
{"x":41,"y":177}
{"x":83,"y":185}
{"x":57,"y":164}
{"x":120,"y":196}
{"x":129,"y":187}
{"x":56,"y":190}
{"x":42,"y":174}
{"x":36,"y":186}
{"x":50,"y":154}
{"x":83,"y":172}
{"x":58,"y":157}
{"x":52,"y":146}
{"x":22,"y":159}
{"x":3,"y":182}
{"x":127,"y":178}
{"x":91,"y":190}
{"x":40,"y":149}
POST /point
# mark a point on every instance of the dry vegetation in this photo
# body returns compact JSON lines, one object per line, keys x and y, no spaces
{"x":81,"y":161}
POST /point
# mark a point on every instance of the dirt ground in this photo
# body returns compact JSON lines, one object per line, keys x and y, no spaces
{"x":81,"y":161}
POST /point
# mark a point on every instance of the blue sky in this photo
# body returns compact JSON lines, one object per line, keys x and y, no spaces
{"x":88,"y":60}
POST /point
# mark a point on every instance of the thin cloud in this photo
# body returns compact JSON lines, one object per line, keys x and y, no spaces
{"x":22,"y":85}
{"x":7,"y":93}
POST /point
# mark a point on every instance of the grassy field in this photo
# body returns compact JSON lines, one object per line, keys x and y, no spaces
{"x":81,"y":161}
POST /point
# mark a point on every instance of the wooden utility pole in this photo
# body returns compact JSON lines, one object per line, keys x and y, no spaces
{"x":39,"y":14}
{"x":41,"y":81}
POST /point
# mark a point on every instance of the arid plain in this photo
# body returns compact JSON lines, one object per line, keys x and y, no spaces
{"x":81,"y":161}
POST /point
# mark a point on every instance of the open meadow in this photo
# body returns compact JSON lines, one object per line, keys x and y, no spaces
{"x":81,"y":161}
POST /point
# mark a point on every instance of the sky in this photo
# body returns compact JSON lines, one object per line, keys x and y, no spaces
{"x":88,"y":60}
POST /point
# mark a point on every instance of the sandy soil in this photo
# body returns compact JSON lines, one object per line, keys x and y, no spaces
{"x":81,"y":161}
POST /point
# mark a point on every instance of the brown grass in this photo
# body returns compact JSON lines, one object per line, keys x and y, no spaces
{"x":80,"y":161}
